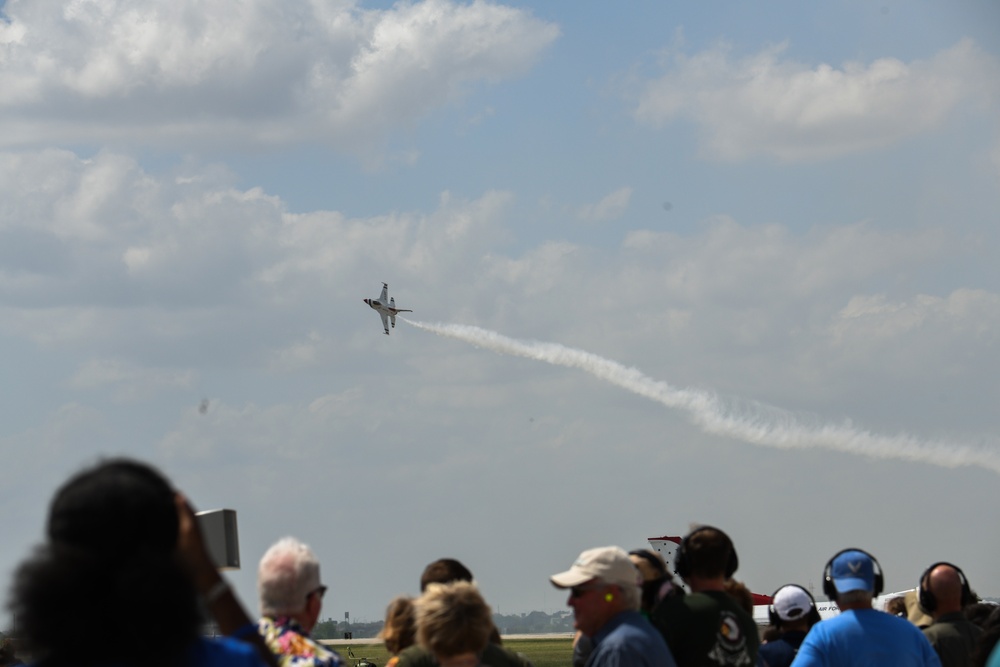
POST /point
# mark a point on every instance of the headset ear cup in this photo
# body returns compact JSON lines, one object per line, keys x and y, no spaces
{"x":734,"y":562}
{"x":682,"y":565}
{"x":925,"y":596}
{"x":829,"y":590}
{"x":967,"y":596}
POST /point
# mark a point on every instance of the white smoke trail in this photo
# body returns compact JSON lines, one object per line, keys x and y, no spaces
{"x":749,"y":421}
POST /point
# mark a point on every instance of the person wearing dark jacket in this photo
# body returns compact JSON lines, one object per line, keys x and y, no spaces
{"x":792,"y":611}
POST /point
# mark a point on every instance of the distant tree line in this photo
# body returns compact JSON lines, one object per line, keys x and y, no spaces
{"x":533,"y":623}
{"x":536,"y":622}
{"x":331,"y":629}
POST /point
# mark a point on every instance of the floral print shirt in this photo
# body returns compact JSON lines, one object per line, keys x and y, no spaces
{"x":292,"y":646}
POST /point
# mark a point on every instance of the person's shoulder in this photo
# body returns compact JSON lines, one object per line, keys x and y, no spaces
{"x":780,"y":648}
{"x":415,"y":656}
{"x":900,"y":624}
{"x":711,"y":600}
{"x":994,"y":659}
{"x":500,"y":656}
{"x":223,"y":652}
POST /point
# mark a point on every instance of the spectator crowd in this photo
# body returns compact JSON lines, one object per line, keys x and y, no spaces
{"x":124,"y":579}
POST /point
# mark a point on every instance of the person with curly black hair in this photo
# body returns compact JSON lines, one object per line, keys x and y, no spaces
{"x":118,"y":580}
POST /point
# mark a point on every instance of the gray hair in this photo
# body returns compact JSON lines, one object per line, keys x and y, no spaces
{"x":288,"y":572}
{"x":631,"y":595}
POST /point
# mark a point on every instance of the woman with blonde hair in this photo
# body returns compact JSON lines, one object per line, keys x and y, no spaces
{"x":400,"y":629}
{"x":454,"y":623}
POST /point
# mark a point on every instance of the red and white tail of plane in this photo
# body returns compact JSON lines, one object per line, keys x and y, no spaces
{"x":667,"y":545}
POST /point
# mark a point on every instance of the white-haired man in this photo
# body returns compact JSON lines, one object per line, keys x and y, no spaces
{"x":291,"y":598}
{"x":605,"y":596}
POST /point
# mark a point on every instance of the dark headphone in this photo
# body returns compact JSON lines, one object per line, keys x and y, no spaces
{"x":682,"y":560}
{"x":830,"y":590}
{"x":813,"y":616}
{"x":926,"y":597}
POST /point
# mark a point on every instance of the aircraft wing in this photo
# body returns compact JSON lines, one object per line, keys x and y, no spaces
{"x":385,"y":321}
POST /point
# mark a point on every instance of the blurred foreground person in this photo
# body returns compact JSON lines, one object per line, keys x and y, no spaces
{"x":860,"y":635}
{"x":454,"y":624}
{"x":118,"y":579}
{"x":604,"y":593}
{"x":792,"y":612}
{"x":8,"y":652}
{"x":400,"y":628}
{"x":707,"y":627}
{"x":291,"y":599}
{"x":943,"y":593}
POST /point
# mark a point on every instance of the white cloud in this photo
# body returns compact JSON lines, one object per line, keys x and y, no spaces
{"x":770,"y":263}
{"x":872,"y":321}
{"x":236,"y":72}
{"x":310,"y":402}
{"x":611,"y":207}
{"x":764,"y":104}
{"x":98,"y":252}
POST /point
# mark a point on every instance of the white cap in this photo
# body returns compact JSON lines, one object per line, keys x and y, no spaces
{"x":611,"y":565}
{"x":792,"y":603}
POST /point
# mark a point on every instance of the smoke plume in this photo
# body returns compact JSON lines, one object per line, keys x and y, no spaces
{"x":749,"y":421}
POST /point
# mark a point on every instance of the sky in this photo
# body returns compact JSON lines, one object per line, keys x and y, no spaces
{"x":669,"y":264}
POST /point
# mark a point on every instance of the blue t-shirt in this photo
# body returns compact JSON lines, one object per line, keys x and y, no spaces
{"x":629,"y":640}
{"x":781,"y":651}
{"x":219,"y":652}
{"x":994,"y":660}
{"x":866,"y":638}
{"x":224,"y":652}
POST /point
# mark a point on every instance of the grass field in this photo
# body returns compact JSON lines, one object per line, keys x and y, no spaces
{"x":543,"y":652}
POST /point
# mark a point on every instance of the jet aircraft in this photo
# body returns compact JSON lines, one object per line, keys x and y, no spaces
{"x":386,"y":308}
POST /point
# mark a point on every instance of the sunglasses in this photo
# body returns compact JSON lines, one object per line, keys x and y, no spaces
{"x":321,"y":591}
{"x":580,"y":591}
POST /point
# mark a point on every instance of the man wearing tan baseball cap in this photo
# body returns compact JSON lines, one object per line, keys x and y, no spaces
{"x":604,"y":595}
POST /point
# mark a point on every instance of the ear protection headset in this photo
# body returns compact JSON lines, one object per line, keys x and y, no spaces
{"x":682,"y":559}
{"x":926,"y":597}
{"x":772,"y":613}
{"x":830,"y":590}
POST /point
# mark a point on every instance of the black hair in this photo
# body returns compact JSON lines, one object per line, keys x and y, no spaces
{"x":119,"y":506}
{"x":444,"y":571}
{"x":110,"y":571}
